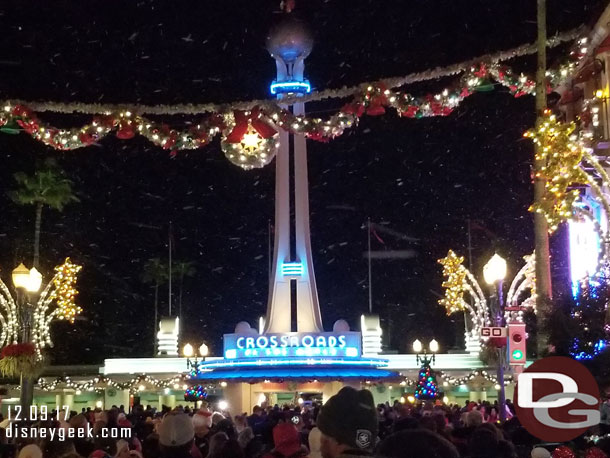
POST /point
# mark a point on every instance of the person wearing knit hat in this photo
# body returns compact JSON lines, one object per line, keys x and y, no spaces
{"x":287,"y":442}
{"x":176,"y":435}
{"x":348,"y":423}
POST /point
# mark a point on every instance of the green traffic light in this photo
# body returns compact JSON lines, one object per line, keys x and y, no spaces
{"x":517,"y":354}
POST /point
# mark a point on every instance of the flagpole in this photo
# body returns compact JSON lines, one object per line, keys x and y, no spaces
{"x":170,"y":268}
{"x":370,"y":276}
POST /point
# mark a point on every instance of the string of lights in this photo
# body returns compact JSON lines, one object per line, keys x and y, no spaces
{"x":100,"y":383}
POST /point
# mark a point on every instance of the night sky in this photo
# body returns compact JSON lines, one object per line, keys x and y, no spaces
{"x":423,"y":178}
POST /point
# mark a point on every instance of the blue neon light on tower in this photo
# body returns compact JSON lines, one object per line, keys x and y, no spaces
{"x":289,"y":44}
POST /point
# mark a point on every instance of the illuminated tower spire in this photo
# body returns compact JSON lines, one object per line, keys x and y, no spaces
{"x":289,"y":44}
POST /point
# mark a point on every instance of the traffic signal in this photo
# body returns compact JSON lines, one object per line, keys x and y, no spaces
{"x":516,"y":343}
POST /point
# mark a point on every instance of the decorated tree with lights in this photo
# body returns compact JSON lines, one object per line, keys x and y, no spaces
{"x":427,"y":387}
{"x":588,"y":312}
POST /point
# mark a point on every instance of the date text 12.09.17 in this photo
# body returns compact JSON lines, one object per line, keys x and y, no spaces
{"x":43,"y":413}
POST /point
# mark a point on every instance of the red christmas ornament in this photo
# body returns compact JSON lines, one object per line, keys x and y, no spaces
{"x":126,"y":131}
{"x":86,"y":138}
{"x":562,"y":452}
{"x":595,"y":452}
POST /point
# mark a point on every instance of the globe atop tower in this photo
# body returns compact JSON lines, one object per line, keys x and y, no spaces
{"x":290,"y":40}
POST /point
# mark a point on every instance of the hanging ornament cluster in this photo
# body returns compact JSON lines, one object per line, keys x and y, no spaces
{"x":195,"y":393}
{"x":248,"y":140}
{"x":65,"y":292}
{"x":455,"y":283}
{"x":558,"y":148}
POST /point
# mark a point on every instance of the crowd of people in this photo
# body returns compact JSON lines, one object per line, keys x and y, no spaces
{"x":347,"y":425}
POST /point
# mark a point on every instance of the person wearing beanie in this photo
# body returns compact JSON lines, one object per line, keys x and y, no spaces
{"x":176,"y":436}
{"x":287,"y":442}
{"x":348,"y":423}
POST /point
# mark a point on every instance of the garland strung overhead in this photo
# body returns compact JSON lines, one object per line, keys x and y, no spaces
{"x":249,"y":138}
{"x":345,"y":92}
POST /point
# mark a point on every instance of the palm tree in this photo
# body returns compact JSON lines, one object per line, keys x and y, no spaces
{"x":47,"y":186}
{"x":181,"y":270}
{"x":155,"y":272}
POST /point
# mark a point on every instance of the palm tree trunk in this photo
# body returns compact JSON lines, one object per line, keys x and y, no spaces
{"x":37,"y":235}
{"x":156,"y":324}
{"x":541,"y":237}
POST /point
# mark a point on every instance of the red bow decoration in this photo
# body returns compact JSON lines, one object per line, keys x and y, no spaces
{"x":354,"y":108}
{"x":377,"y":101}
{"x":562,"y":452}
{"x":410,"y":112}
{"x":317,"y":136}
{"x":28,"y":121}
{"x":241,"y":125}
{"x":481,"y":72}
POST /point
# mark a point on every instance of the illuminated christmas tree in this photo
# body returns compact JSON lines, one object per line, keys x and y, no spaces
{"x":426,"y":388}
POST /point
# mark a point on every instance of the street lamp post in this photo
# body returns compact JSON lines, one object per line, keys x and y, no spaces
{"x":188,"y":351}
{"x":426,"y":385}
{"x":27,"y":283}
{"x":418,"y":348}
{"x":494,"y":272}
